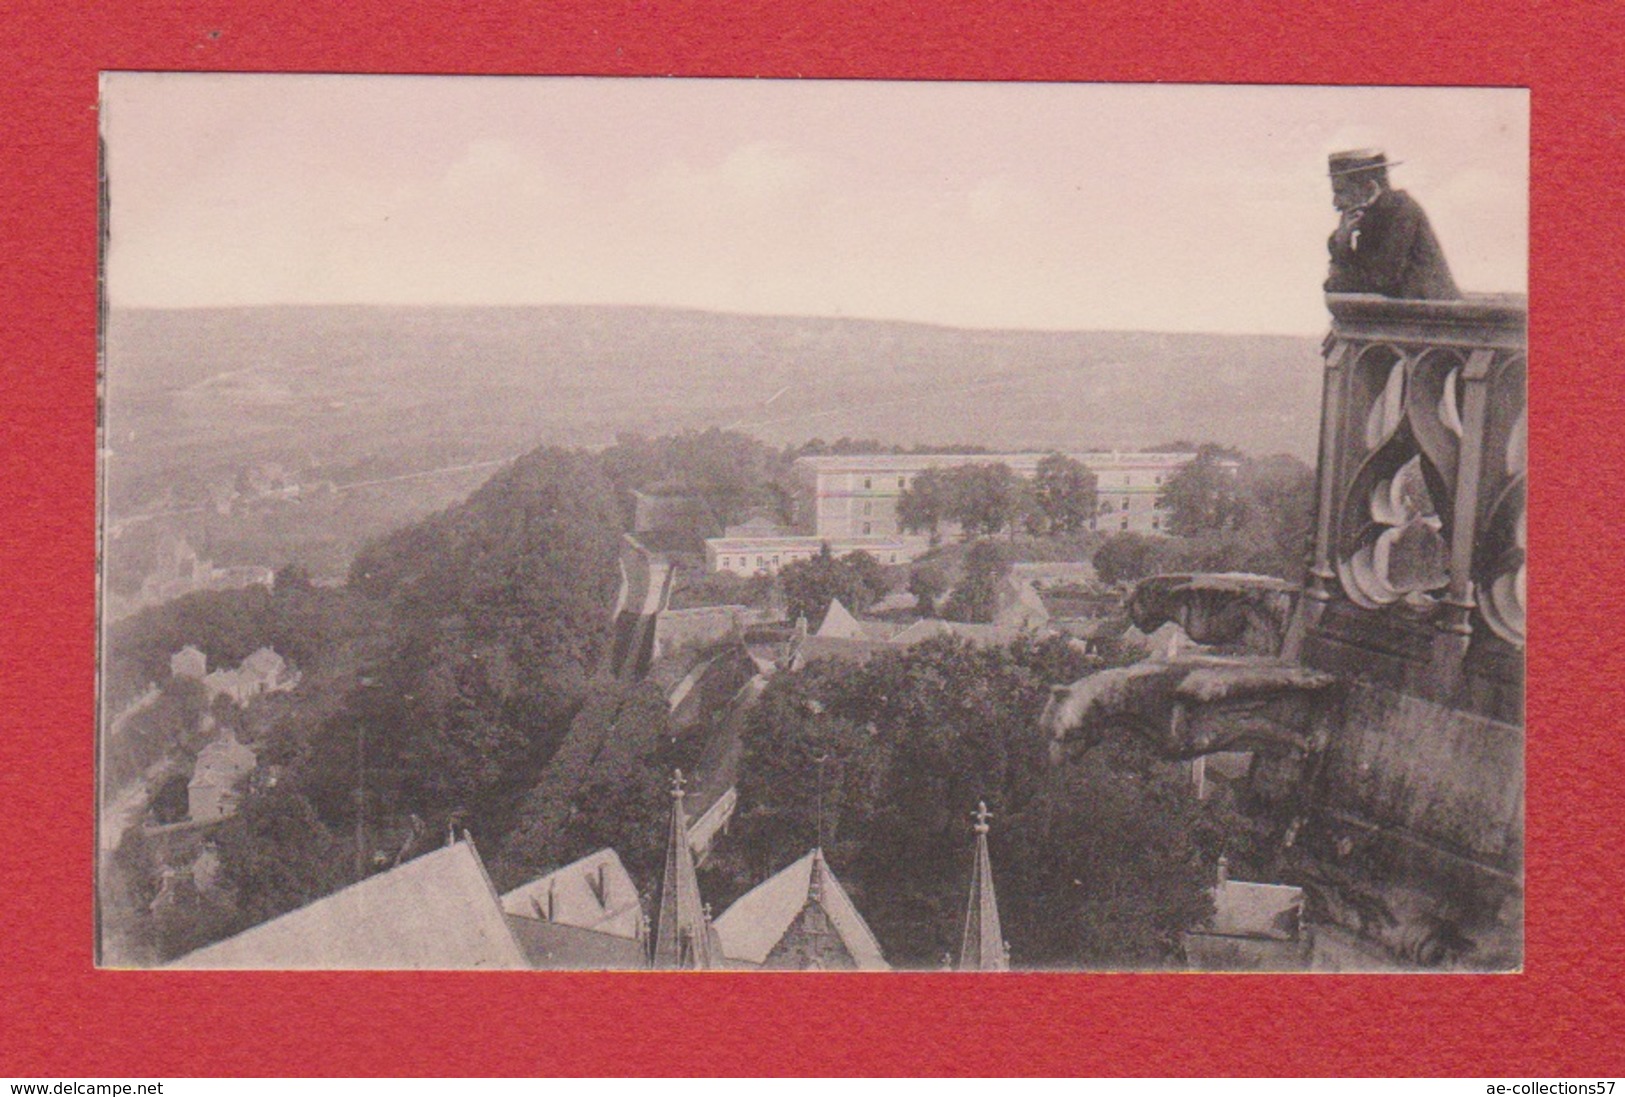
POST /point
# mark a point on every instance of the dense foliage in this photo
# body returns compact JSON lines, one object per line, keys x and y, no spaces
{"x":457,"y":682}
{"x":856,"y":578}
{"x":976,"y":597}
{"x":1098,"y":865}
{"x":987,"y":498}
{"x":436,"y":687}
{"x":731,"y":472}
{"x":1065,"y":492}
{"x":1255,"y":517}
{"x":1203,"y":496}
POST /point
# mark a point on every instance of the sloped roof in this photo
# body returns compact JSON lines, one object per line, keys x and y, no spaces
{"x":264,"y":662}
{"x":829,"y":647}
{"x":760,"y":918}
{"x":978,"y":634}
{"x":1020,"y":605}
{"x":553,"y":946}
{"x":1166,"y":641}
{"x":222,"y":762}
{"x":881,"y":631}
{"x":595,"y":893}
{"x":1245,"y":909}
{"x":840,"y":624}
{"x":437,"y":912}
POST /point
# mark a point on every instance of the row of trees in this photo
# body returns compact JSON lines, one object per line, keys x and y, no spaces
{"x":858,"y":580}
{"x":1224,"y":512}
{"x":989,"y":498}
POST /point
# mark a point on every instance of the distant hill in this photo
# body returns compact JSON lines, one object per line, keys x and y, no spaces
{"x":345,"y":394}
{"x":483,"y":380}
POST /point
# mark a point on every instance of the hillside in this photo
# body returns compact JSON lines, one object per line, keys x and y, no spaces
{"x":205,"y":405}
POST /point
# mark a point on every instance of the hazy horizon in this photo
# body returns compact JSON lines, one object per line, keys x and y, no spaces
{"x":978,"y":206}
{"x":723,"y":312}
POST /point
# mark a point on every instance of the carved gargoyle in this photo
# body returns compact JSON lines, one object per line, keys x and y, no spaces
{"x":1201,"y":705}
{"x":1231,"y":609}
{"x":1193,"y":706}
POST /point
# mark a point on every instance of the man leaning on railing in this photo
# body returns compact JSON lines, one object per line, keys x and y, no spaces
{"x":1383,"y":243}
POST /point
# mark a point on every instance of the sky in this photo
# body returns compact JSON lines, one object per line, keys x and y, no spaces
{"x":1050,"y":206}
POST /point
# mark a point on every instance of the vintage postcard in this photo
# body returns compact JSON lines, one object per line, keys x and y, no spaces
{"x":612,"y":524}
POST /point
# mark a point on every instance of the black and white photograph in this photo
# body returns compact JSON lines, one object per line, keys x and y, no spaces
{"x":617,"y":524}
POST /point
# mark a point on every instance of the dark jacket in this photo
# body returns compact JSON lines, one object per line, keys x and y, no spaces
{"x":1394,"y":253}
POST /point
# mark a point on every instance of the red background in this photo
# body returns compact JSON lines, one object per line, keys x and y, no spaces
{"x":60,"y":1017}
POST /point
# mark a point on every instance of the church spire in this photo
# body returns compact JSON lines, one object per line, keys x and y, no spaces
{"x":982,"y":946}
{"x":682,"y":932}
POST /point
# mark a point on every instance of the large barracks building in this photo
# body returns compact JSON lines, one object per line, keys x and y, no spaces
{"x":851,"y":503}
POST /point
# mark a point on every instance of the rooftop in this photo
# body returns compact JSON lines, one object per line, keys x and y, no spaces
{"x":437,"y":912}
{"x":553,"y":946}
{"x":595,"y":892}
{"x":762,"y":916}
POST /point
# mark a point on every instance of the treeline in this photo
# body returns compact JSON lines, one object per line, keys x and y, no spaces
{"x":985,"y":499}
{"x":1225,"y":512}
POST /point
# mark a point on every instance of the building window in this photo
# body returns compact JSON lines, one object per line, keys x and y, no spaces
{"x":900,"y":483}
{"x":868,"y":528}
{"x":725,"y":564}
{"x":868,"y":508}
{"x":1125,"y":502}
{"x":868,"y":483}
{"x":1127,"y":479}
{"x":1124,"y":525}
{"x":759,"y":562}
{"x":1156,"y":523}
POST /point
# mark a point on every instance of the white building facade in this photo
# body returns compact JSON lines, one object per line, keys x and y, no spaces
{"x":851,"y":502}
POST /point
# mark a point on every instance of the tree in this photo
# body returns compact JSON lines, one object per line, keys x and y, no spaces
{"x":1107,"y":867}
{"x":275,"y":855}
{"x":976,"y":598}
{"x":1281,"y":507}
{"x":983,"y":498}
{"x":621,"y":739}
{"x":729,"y":471}
{"x":171,"y":726}
{"x":1066,"y":492}
{"x":629,"y":812}
{"x":1126,"y":557}
{"x":810,"y":585}
{"x":496,"y":619}
{"x":925,"y":502}
{"x":1202,"y":496}
{"x":1100,"y":865}
{"x":1255,"y":518}
{"x":927,"y":583}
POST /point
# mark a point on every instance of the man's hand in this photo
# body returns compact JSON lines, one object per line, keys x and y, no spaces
{"x":1347,"y":226}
